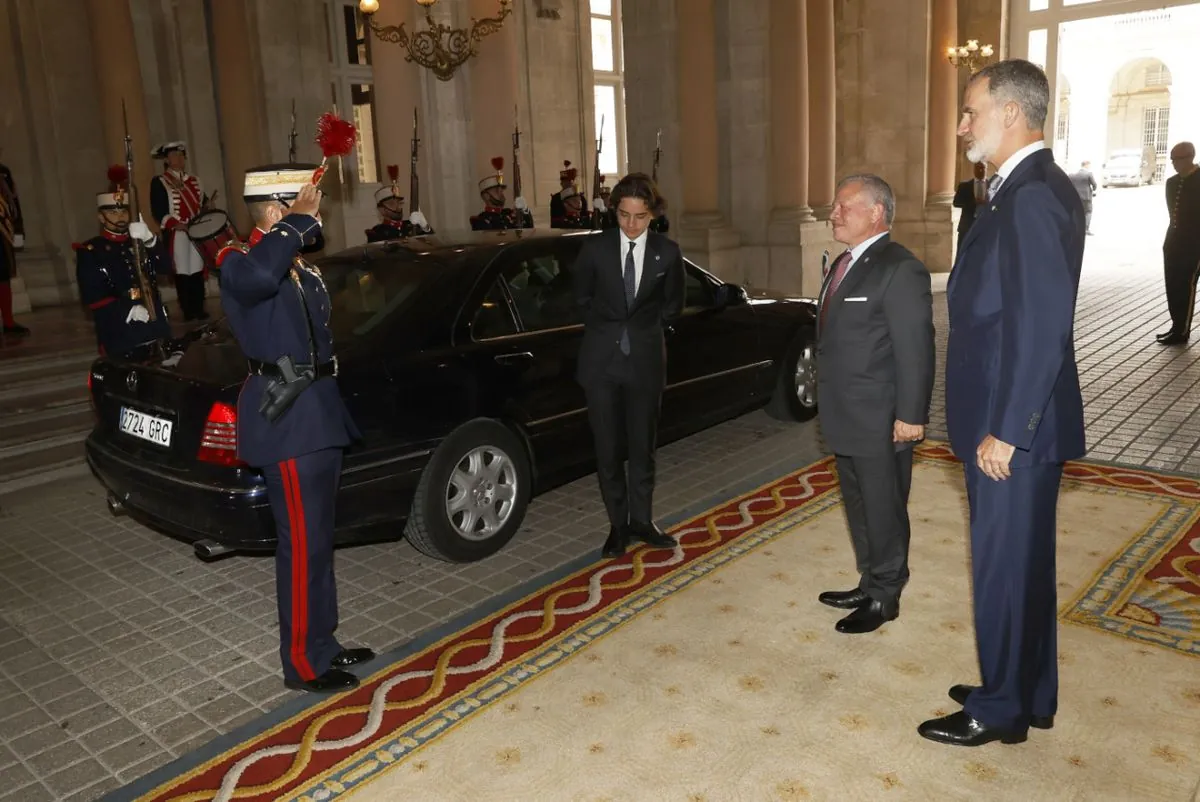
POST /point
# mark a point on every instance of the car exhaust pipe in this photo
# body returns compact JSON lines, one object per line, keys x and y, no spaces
{"x":114,"y":505}
{"x":210,"y":549}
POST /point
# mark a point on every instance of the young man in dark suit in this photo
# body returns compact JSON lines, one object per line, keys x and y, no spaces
{"x":875,"y":363}
{"x":629,"y":283}
{"x":1013,"y":406}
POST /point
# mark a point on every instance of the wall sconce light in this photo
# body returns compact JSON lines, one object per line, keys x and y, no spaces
{"x":440,"y":47}
{"x":971,"y":55}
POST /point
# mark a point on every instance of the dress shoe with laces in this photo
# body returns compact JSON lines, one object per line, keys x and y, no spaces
{"x":352,"y":657}
{"x":959,"y":693}
{"x":1166,"y":334}
{"x":616,"y":543}
{"x":1173,"y":339}
{"x":651,"y":535}
{"x":867,"y":618}
{"x":961,"y":729}
{"x":844,"y":599}
{"x":332,"y":681}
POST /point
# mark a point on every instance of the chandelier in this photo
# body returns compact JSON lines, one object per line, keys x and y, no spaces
{"x":970,"y":55}
{"x":440,"y":48}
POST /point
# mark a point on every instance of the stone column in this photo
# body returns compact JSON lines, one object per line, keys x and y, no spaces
{"x":822,"y":119}
{"x":794,"y":234}
{"x":493,"y":74}
{"x":943,"y":103}
{"x":119,"y":78}
{"x":397,"y":93}
{"x":703,"y":230}
{"x":238,"y":103}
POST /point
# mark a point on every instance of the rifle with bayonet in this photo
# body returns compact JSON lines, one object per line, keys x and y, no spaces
{"x":657,"y":156}
{"x":522,"y":217}
{"x":415,"y":217}
{"x":597,"y":202}
{"x":139,"y":248}
{"x":292,"y":137}
{"x":659,"y":223}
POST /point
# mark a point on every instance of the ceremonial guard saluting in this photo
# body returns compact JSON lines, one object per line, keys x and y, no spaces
{"x":175,"y":198}
{"x":12,"y":238}
{"x":566,"y":178}
{"x":495,"y":214}
{"x":390,"y":203}
{"x":292,"y":423}
{"x":122,"y":294}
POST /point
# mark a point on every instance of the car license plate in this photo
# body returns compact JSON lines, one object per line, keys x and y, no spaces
{"x":147,"y":427}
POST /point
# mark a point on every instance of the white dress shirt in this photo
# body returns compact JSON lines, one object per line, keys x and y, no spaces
{"x":1012,"y":161}
{"x":639,"y":255}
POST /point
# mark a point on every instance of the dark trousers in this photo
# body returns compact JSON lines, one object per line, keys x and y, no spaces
{"x":301,"y":492}
{"x":191,"y":292}
{"x":1087,"y":216}
{"x":1180,"y":271}
{"x":875,"y":493}
{"x":1013,"y":537}
{"x":624,"y":417}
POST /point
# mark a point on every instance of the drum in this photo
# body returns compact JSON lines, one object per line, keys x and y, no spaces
{"x":210,"y":232}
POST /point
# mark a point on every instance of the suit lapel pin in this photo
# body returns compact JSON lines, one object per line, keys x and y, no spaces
{"x":657,"y":257}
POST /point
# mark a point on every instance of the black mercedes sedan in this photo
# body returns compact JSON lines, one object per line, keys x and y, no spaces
{"x":457,"y":360}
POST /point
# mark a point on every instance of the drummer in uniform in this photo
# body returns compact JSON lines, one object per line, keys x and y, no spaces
{"x":105,"y":268}
{"x":572,"y":211}
{"x":278,"y":309}
{"x":495,"y":214}
{"x":176,"y":197}
{"x":566,"y":180}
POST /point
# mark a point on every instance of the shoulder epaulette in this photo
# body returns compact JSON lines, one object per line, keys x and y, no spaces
{"x":240,"y":247}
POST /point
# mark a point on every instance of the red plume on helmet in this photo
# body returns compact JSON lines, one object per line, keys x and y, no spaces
{"x":498,"y":162}
{"x":393,"y":172}
{"x":118,"y":177}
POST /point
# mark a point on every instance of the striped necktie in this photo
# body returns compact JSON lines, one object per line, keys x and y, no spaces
{"x":994,"y":185}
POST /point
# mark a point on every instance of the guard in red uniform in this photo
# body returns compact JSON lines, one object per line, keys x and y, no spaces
{"x":495,"y":214}
{"x":292,"y":423}
{"x":175,"y":198}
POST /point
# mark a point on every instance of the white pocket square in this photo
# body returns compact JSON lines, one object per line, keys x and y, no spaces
{"x":856,"y":299}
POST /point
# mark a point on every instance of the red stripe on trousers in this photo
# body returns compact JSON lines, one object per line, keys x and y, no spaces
{"x":295,"y":505}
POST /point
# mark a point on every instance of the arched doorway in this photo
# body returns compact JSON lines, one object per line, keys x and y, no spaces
{"x":1139,"y":110}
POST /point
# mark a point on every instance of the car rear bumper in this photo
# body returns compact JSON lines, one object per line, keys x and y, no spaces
{"x":235,"y":516}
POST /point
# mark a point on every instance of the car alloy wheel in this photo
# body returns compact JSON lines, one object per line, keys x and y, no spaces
{"x":805,"y":380}
{"x":481,"y":493}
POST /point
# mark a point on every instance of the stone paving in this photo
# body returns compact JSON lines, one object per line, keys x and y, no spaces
{"x":119,"y":651}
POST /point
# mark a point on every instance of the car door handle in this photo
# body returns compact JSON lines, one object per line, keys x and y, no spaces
{"x":514,"y":358}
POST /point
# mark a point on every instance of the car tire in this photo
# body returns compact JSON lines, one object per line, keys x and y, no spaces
{"x":461,"y":511}
{"x":791,"y":402}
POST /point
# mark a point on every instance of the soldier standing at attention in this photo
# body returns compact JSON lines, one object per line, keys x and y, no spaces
{"x":1181,"y":249}
{"x":495,"y":214}
{"x":390,"y":204}
{"x":107,"y":273}
{"x":566,"y":180}
{"x":571,"y":213}
{"x":175,"y":198}
{"x":292,"y":423}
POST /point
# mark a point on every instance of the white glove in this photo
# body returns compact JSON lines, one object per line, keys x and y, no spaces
{"x":172,"y":360}
{"x":18,"y":240}
{"x":598,"y":205}
{"x":139,"y":314}
{"x":418,"y":219}
{"x":139,"y":230}
{"x":521,"y":204}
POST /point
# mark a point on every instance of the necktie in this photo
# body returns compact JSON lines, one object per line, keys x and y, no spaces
{"x":840,"y":266}
{"x":994,"y":185}
{"x":630,"y":293}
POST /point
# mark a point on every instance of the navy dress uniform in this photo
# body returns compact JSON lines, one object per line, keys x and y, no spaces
{"x":571,"y":211}
{"x":495,"y":215}
{"x":390,"y":203}
{"x":566,"y":178}
{"x":106,"y":271}
{"x":275,"y":301}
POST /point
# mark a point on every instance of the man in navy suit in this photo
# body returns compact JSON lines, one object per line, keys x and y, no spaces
{"x":1013,"y":406}
{"x":278,"y":308}
{"x":629,"y":282}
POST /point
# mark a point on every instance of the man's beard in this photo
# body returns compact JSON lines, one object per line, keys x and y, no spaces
{"x":982,"y":150}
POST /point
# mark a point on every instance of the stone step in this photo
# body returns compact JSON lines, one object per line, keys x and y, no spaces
{"x":39,"y":424}
{"x":17,"y":481}
{"x":23,"y":369}
{"x":47,"y":454}
{"x":42,"y":395}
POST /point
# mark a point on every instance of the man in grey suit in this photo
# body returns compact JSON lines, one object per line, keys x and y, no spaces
{"x":1085,"y":184}
{"x":875,"y":363}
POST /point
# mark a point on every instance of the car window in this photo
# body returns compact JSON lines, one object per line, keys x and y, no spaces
{"x":493,"y":318}
{"x":698,"y":291}
{"x":539,"y":282}
{"x":366,"y":294}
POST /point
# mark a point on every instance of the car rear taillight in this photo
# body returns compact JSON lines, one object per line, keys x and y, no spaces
{"x":218,"y":443}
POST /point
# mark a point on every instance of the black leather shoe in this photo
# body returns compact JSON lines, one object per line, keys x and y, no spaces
{"x":1165,"y":335}
{"x":332,"y":681}
{"x":960,"y":729}
{"x":867,"y":618}
{"x":651,"y":535}
{"x":16,"y":330}
{"x":959,"y":693}
{"x":352,"y":657}
{"x":616,"y":543}
{"x":1174,"y":339}
{"x":844,"y":599}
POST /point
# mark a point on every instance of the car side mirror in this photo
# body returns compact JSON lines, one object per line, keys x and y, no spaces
{"x":730,"y":295}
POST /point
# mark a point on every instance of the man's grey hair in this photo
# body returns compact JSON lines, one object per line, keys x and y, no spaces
{"x":1016,"y":80}
{"x":878,"y":190}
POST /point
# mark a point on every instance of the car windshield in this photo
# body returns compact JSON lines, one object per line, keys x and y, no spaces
{"x":369,"y":288}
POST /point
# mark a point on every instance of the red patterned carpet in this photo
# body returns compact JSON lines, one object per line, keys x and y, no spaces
{"x":1146,"y":592}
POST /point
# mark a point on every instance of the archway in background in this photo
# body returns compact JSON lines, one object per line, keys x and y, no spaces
{"x":1139,"y":109}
